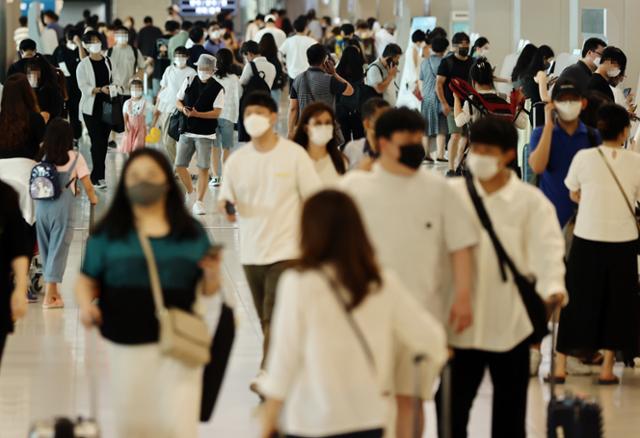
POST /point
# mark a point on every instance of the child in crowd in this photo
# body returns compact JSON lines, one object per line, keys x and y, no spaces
{"x":135,"y":127}
{"x":54,"y":216}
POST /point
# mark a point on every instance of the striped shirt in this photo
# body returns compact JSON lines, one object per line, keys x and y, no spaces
{"x":314,"y":85}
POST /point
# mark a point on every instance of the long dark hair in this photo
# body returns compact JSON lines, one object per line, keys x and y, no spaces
{"x":18,"y":103}
{"x":57,"y":142}
{"x":332,"y":232}
{"x":480,"y":42}
{"x":302,"y":138}
{"x":351,"y":66}
{"x":523,"y":61}
{"x":118,"y":222}
{"x":268,"y":47}
{"x":225,"y":63}
{"x":538,"y":61}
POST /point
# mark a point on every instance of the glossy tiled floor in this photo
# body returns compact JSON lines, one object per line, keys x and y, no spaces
{"x":44,"y":373}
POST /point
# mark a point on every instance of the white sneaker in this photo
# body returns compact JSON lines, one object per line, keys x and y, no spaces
{"x":535,"y":359}
{"x":576,"y":368}
{"x":198,"y":208}
{"x":215,"y":181}
{"x":101,"y":185}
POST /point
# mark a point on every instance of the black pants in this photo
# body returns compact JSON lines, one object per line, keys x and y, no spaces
{"x":99,"y":135}
{"x":510,"y":376}
{"x":374,"y":433}
{"x":263,"y":281}
{"x":351,"y":125}
{"x":74,"y":114}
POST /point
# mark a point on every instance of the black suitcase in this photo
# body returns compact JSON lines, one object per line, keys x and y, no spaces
{"x":572,"y":416}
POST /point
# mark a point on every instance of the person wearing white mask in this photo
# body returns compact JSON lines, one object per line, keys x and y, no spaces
{"x":315,"y":133}
{"x":201,"y":100}
{"x":127,"y":62}
{"x":214,"y":41}
{"x":612,"y":63}
{"x":172,"y":79}
{"x":582,"y":70}
{"x":95,"y":84}
{"x":265,"y":184}
{"x":526,"y":227}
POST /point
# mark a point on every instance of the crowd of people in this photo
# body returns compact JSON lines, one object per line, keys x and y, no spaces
{"x":369,"y":270}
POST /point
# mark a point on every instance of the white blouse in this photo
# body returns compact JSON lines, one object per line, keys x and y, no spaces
{"x":327,"y":171}
{"x":527,"y":226}
{"x":603,"y":214}
{"x":317,"y":366}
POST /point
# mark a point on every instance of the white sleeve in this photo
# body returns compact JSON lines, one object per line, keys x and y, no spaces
{"x":183,"y":89}
{"x":572,"y":181}
{"x":226,"y":188}
{"x":219,"y":102}
{"x":284,"y":360}
{"x":246,"y":74}
{"x":165,"y":78}
{"x":84,"y":82}
{"x":459,"y":229}
{"x":374,"y":76}
{"x":415,"y":326}
{"x":545,"y":248}
{"x":465,"y":116}
{"x":308,"y":179}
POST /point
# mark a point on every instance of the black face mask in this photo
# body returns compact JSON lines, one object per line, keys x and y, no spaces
{"x":412,"y":155}
{"x":463,"y":51}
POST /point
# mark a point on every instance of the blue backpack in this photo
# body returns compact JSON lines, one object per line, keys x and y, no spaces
{"x":44,"y":182}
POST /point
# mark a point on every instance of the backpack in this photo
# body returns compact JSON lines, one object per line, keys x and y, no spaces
{"x":257,"y":82}
{"x":368,"y":92}
{"x":44,"y":182}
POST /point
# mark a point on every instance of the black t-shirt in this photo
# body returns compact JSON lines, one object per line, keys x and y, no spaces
{"x":101,"y":73}
{"x":452,"y":67}
{"x":601,"y":85}
{"x":71,"y":58}
{"x":147,"y":38}
{"x":194,"y":54}
{"x":31,"y":146}
{"x":50,"y":100}
{"x":14,"y":242}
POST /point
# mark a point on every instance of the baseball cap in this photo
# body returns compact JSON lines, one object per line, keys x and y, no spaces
{"x":270,"y":18}
{"x":565,"y":86}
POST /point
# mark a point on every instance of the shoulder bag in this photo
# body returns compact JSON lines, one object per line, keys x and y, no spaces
{"x":183,"y":335}
{"x":624,"y":195}
{"x":533,"y":303}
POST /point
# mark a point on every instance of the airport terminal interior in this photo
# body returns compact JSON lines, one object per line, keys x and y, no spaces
{"x":313,"y":179}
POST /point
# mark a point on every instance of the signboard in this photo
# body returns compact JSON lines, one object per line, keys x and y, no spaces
{"x":206,"y":7}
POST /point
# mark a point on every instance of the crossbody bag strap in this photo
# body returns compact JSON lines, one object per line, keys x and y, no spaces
{"x":352,"y":322}
{"x":71,"y":169}
{"x":154,"y":277}
{"x":622,"y":192}
{"x":503,"y":257}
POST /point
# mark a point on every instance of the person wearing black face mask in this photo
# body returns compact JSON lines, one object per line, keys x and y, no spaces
{"x":416,"y":222}
{"x":457,"y":65}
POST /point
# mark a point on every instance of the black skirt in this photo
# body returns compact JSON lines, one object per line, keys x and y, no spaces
{"x":602,"y":281}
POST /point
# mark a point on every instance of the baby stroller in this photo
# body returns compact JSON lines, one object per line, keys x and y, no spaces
{"x":16,"y":173}
{"x":487,"y":104}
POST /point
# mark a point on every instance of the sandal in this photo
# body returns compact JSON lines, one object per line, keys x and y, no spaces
{"x":609,"y":382}
{"x":558,"y":380}
{"x":56,"y":303}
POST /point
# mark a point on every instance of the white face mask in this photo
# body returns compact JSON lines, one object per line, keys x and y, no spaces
{"x":71,"y":46}
{"x":214,"y":35}
{"x":613,"y":72}
{"x":180,"y":62}
{"x":33,"y":80}
{"x":94,"y":48}
{"x":256,"y":125}
{"x":136,"y":93}
{"x":204,"y":75}
{"x":320,"y":135}
{"x":596,"y":61}
{"x":122,"y":39}
{"x":568,"y":111}
{"x":483,"y":167}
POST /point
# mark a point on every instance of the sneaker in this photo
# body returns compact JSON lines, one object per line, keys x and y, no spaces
{"x":442,"y":160}
{"x":215,"y":181}
{"x":575,"y":367}
{"x":100,"y":185}
{"x":198,"y":208}
{"x":450,"y":173}
{"x":32,"y":296}
{"x":535,"y":359}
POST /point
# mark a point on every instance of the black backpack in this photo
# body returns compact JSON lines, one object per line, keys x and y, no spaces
{"x":366,"y":91}
{"x":255,"y":84}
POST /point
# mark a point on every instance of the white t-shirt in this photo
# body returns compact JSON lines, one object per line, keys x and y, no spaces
{"x":317,"y":364}
{"x":327,"y":171}
{"x":134,"y":107}
{"x":382,"y":39}
{"x":294,"y":50}
{"x":231,"y":85}
{"x":527,"y":226}
{"x":218,"y":103}
{"x":415,"y":223}
{"x":124,"y":65}
{"x":172,"y":79}
{"x":354,"y":151}
{"x":262,"y":65}
{"x":603,"y":214}
{"x":268,"y":189}
{"x":278,"y":35}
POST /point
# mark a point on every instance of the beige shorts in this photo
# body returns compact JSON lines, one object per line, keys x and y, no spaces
{"x":410,"y":380}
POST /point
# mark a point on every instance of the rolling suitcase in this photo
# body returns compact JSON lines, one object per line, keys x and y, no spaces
{"x":572,"y":416}
{"x":79,"y":427}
